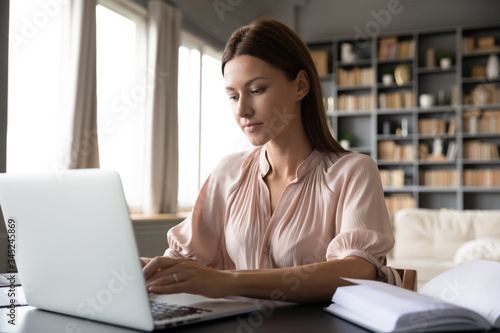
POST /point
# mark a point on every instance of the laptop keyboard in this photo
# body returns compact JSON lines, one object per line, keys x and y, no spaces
{"x":162,"y":311}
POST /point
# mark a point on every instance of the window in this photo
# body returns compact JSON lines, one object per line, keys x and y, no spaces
{"x":33,"y":97}
{"x":36,"y":123}
{"x":207,"y":129}
{"x":122,"y":86}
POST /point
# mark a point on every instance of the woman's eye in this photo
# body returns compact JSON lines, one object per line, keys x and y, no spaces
{"x":257,"y":91}
{"x":231,"y":98}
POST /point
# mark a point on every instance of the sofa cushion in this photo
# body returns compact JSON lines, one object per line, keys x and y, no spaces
{"x":480,"y":248}
{"x":437,"y":234}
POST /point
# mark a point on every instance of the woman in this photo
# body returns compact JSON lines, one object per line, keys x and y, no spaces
{"x":293,"y":215}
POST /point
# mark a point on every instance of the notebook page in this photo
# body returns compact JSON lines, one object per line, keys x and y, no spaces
{"x":474,"y":285}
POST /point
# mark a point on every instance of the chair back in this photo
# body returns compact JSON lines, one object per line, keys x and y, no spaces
{"x":409,"y":278}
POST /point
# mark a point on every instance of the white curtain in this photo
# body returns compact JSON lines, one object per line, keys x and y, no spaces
{"x":80,"y":81}
{"x":164,"y":24}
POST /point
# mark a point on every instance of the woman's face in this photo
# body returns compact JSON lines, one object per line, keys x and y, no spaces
{"x":264,"y":101}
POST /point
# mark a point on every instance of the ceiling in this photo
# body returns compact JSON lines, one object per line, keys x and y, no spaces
{"x":220,"y":18}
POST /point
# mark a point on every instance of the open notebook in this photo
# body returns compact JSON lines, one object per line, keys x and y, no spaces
{"x":463,"y":298}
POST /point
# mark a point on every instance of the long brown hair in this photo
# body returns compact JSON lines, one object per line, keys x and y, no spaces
{"x":275,"y":43}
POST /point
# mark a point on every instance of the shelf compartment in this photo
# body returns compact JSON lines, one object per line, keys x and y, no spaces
{"x":395,"y":126}
{"x":433,"y":46}
{"x":436,"y":198}
{"x":482,"y":199}
{"x":480,"y":176}
{"x":397,"y":177}
{"x":355,"y":101}
{"x":440,"y":86}
{"x":486,"y":94}
{"x":438,"y":176}
{"x":351,"y":52}
{"x":359,"y":128}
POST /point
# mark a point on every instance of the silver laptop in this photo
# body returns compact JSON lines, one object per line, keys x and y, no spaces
{"x":76,"y":253}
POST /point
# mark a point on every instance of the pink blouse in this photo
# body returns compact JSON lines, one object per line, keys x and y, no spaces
{"x":334,"y":209}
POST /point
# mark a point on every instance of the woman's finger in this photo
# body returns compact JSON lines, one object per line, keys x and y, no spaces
{"x":156,"y":264}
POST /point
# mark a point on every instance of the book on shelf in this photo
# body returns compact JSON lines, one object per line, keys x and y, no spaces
{"x":482,"y":177}
{"x":452,"y":127}
{"x":451,"y":153}
{"x":348,"y":102}
{"x":468,"y":45}
{"x":392,"y":178}
{"x":431,"y":126}
{"x":396,"y":100}
{"x":388,"y":150}
{"x":356,"y":77}
{"x":399,"y":201}
{"x":322,"y":61}
{"x":439,"y":178}
{"x":484,"y":122}
{"x":477,"y":71}
{"x":477,"y":150}
{"x":482,"y":44}
{"x":391,"y":48}
{"x":462,"y":298}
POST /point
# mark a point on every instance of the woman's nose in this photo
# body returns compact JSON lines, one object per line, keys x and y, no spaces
{"x":244,"y":108}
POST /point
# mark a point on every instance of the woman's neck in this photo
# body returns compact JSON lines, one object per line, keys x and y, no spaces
{"x":285,"y":158}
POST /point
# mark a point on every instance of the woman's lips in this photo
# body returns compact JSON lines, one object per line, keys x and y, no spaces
{"x":252,"y":127}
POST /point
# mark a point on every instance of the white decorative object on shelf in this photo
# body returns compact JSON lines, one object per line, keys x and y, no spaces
{"x":426,"y":100}
{"x":437,"y":147}
{"x":445,"y":63}
{"x":387,"y":79}
{"x":492,"y":67}
{"x":347,"y":53}
{"x":346,"y":144}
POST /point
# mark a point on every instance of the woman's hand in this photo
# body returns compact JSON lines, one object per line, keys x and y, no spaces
{"x":145,"y":261}
{"x":167,"y":276}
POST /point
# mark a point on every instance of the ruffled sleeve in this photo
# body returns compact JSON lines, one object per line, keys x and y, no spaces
{"x":200,"y":237}
{"x":362,"y":222}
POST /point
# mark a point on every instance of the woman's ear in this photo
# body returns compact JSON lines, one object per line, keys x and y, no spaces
{"x":303,"y":85}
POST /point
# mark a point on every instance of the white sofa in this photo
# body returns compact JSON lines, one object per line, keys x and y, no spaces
{"x":433,"y":241}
